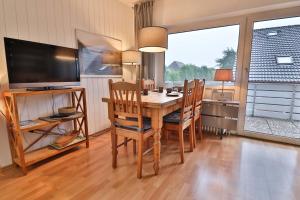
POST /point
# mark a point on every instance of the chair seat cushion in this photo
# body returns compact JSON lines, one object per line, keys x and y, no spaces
{"x":146,"y":124}
{"x":173,"y":117}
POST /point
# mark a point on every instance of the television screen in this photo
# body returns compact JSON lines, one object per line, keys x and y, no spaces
{"x":33,"y":64}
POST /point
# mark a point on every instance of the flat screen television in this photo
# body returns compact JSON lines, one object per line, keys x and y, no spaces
{"x":32,"y":64}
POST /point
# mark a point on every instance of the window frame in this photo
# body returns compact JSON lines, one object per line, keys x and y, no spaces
{"x":246,"y":22}
{"x":208,"y":24}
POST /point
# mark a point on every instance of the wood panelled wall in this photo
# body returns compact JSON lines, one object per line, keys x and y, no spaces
{"x":97,"y":110}
{"x":54,"y":22}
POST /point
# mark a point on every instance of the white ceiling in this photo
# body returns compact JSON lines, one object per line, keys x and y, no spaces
{"x":128,"y":2}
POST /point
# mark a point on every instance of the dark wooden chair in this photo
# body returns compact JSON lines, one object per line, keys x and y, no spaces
{"x":199,"y":91}
{"x":127,"y":120}
{"x":180,"y":120}
{"x":148,"y":84}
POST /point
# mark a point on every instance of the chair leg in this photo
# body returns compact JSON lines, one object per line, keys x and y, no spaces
{"x":125,"y":141}
{"x":114,"y":142}
{"x":194,"y":133}
{"x":147,"y":143}
{"x":181,"y":144}
{"x":191,"y":137}
{"x":140,"y":157}
{"x":200,"y":128}
{"x":134,"y":146}
{"x":166,"y":132}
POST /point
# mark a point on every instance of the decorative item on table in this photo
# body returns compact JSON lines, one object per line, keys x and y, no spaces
{"x":179,"y":88}
{"x":173,"y":94}
{"x":223,"y":75}
{"x":160,"y":89}
{"x":169,"y":90}
{"x":145,"y":91}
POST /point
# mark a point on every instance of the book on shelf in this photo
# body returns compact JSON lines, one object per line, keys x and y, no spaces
{"x":28,"y":123}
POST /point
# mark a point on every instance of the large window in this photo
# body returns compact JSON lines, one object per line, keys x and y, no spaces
{"x":197,"y":54}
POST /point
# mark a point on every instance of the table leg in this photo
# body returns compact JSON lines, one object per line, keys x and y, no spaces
{"x":157,"y":122}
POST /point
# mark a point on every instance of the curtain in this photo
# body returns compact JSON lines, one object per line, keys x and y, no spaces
{"x":143,"y":17}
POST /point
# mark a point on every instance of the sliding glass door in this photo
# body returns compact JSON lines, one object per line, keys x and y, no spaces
{"x":272,"y":107}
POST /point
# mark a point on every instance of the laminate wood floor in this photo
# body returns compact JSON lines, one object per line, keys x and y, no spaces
{"x":232,"y":168}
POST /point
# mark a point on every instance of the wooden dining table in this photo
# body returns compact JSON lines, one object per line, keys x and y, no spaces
{"x":156,"y":106}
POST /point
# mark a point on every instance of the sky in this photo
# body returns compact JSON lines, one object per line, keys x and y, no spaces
{"x":203,"y":47}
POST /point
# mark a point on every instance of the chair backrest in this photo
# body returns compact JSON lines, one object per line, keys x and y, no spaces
{"x":126,"y":104}
{"x":129,"y":81}
{"x":188,"y":100}
{"x":148,"y":84}
{"x":198,"y":96}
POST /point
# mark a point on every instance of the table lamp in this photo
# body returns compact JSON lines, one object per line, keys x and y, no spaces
{"x":132,"y":57}
{"x":111,"y":58}
{"x":223,"y":75}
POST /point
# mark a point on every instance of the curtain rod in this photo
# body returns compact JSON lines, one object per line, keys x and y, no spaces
{"x":141,"y":1}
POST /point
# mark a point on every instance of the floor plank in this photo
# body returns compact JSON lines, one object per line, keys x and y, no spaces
{"x":232,"y":168}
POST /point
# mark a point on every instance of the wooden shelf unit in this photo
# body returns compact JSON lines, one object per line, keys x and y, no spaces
{"x":19,"y":154}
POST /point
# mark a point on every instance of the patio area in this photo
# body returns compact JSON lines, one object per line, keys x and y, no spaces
{"x":285,"y":128}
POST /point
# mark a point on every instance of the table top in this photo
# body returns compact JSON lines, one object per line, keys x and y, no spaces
{"x":156,"y":99}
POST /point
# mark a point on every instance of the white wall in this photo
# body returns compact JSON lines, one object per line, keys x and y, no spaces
{"x":54,"y":22}
{"x":174,"y":12}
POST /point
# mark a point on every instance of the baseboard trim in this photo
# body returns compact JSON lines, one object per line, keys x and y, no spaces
{"x":99,"y":133}
{"x":272,"y":139}
{"x":8,"y":167}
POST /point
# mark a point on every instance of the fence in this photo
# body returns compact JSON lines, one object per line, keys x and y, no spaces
{"x":273,"y":100}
